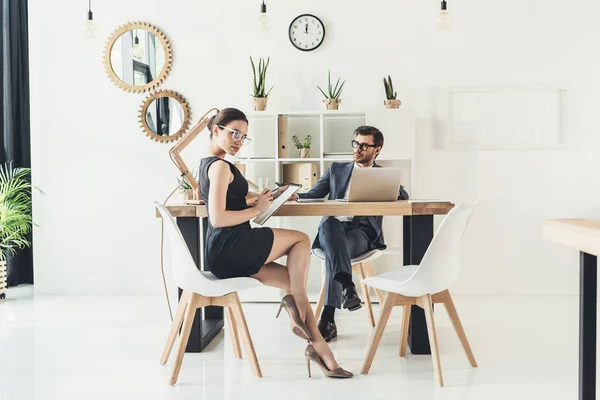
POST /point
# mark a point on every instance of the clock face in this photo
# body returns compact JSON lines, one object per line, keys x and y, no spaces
{"x":306,"y":32}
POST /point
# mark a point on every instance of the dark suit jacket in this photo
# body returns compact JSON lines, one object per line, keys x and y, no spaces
{"x":334,"y":183}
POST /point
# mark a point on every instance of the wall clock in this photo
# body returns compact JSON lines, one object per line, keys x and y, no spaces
{"x":306,"y":32}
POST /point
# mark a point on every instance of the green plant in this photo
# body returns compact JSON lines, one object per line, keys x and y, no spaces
{"x":333,"y":92}
{"x":389,"y":88}
{"x":15,"y":209}
{"x":260,"y":79}
{"x":184,"y":184}
{"x":300,"y":145}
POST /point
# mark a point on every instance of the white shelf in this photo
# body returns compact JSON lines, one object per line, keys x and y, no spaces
{"x":299,"y":159}
{"x":254,"y":159}
{"x":325,"y":158}
{"x":309,"y":113}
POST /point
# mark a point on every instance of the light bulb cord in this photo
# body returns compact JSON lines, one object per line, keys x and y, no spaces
{"x":90,"y":14}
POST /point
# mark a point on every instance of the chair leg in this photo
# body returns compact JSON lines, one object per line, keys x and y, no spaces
{"x":386,"y":310}
{"x":404,"y":335}
{"x":370,"y":271}
{"x":175,"y":326}
{"x":233,"y":332}
{"x":185,"y":335}
{"x":240,"y":320}
{"x":460,"y":331}
{"x":320,"y":302}
{"x":425,"y":303}
{"x":366,"y":295}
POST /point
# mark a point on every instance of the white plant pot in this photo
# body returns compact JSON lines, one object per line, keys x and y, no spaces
{"x":392,"y":103}
{"x":332,"y":104}
{"x":304,"y":152}
{"x":260,"y":103}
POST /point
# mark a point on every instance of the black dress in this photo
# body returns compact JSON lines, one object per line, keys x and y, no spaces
{"x":234,"y":251}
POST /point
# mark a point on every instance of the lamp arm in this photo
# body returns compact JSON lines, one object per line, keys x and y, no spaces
{"x":175,"y":151}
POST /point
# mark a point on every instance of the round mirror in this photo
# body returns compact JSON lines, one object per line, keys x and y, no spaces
{"x":137,"y":57}
{"x":165,"y":116}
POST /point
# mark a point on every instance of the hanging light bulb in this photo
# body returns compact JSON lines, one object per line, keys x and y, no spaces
{"x":444,"y":21}
{"x":263,"y":22}
{"x":137,"y":51}
{"x":90,"y":29}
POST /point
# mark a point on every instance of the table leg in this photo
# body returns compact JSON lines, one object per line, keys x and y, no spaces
{"x":417,"y":233}
{"x":203,"y":329}
{"x":587,"y":325}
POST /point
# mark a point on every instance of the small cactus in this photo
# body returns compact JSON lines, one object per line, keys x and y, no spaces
{"x":389,"y":88}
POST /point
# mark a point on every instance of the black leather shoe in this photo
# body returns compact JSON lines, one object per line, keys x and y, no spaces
{"x":350,"y":299}
{"x":328,"y":329}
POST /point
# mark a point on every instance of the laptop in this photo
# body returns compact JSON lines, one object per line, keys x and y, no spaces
{"x":374,"y":184}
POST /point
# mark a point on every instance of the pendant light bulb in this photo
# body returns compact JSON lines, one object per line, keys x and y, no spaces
{"x":444,"y":20}
{"x":263,"y":22}
{"x":137,"y":51}
{"x":90,"y":29}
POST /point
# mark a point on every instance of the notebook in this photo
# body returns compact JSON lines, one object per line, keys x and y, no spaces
{"x":276,"y":204}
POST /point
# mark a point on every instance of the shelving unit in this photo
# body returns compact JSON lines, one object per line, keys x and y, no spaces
{"x":272,"y":148}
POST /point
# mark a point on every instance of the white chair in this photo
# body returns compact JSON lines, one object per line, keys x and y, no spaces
{"x":362,"y":266}
{"x":201,"y":289}
{"x":424,"y":285}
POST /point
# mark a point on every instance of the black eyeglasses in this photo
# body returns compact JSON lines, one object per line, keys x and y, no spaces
{"x":363,"y":146}
{"x":237,"y":135}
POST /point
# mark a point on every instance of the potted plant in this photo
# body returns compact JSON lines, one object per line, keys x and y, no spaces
{"x":391,"y":101}
{"x":185,"y":188}
{"x":303,"y":147}
{"x":15,"y":215}
{"x":332,"y":97}
{"x":260,"y":78}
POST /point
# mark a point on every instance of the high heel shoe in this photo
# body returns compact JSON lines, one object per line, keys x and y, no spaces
{"x":311,"y":355}
{"x":296,"y":324}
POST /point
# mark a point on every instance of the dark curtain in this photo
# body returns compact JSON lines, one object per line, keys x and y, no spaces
{"x":162,"y":116}
{"x":14,"y":113}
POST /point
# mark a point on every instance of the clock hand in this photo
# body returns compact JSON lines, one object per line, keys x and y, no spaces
{"x":306,"y":29}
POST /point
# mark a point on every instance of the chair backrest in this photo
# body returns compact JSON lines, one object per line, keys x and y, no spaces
{"x":184,"y":268}
{"x":440,"y":266}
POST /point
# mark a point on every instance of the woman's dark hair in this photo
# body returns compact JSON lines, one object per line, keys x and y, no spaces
{"x":367,"y":130}
{"x":224,"y":117}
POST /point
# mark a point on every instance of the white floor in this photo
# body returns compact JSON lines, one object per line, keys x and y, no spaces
{"x":54,"y":347}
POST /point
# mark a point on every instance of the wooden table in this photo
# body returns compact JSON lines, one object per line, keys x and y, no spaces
{"x":417,"y":232}
{"x":583,"y":235}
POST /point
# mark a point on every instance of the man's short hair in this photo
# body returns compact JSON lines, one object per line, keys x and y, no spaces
{"x":366,"y":130}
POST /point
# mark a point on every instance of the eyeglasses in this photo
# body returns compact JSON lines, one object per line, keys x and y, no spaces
{"x":237,"y":135}
{"x":363,"y":146}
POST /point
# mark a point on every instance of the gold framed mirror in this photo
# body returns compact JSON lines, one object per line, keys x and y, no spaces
{"x":165,"y":116}
{"x":137,"y":57}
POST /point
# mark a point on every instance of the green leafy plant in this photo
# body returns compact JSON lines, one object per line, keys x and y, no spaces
{"x":333,"y":92}
{"x":260,"y":77}
{"x":184,"y":184}
{"x":299,"y":144}
{"x":389,"y":88}
{"x":15,"y":209}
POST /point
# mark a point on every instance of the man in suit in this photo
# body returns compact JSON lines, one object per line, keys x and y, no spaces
{"x":345,"y":237}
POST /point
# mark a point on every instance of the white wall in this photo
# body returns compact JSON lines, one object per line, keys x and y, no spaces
{"x":100,"y":174}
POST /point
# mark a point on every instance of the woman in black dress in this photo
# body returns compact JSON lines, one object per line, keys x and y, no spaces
{"x":235,"y":249}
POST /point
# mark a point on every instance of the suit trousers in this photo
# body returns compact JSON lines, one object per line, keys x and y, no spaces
{"x":341,"y":241}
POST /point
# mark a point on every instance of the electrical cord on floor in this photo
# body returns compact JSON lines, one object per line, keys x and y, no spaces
{"x":162,"y":254}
